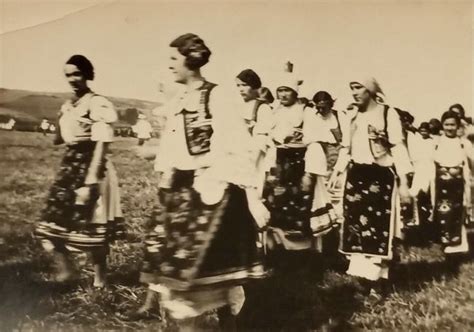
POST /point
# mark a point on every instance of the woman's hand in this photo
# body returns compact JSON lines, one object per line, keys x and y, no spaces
{"x":334,"y":181}
{"x":86,"y":193}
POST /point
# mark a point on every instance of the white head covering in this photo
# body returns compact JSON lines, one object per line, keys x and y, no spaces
{"x":289,"y":80}
{"x":373,"y":86}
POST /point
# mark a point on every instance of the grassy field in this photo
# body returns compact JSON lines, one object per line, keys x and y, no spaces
{"x":423,"y":297}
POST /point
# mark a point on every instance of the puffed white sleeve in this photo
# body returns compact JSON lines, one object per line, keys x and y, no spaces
{"x":263,"y":127}
{"x":232,"y":148}
{"x":344,"y":157}
{"x":399,"y":149}
{"x":103,"y":115}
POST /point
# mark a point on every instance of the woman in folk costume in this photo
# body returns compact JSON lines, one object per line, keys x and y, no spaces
{"x":378,"y":159}
{"x":408,"y":210}
{"x":83,"y":208}
{"x":419,"y":142}
{"x":322,"y":133}
{"x":292,"y":179}
{"x":447,"y":175}
{"x":282,"y":193}
{"x":205,"y":246}
{"x":258,"y":116}
{"x":464,"y":127}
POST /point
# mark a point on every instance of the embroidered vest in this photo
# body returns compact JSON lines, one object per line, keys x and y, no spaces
{"x":380,"y":145}
{"x":197,"y":124}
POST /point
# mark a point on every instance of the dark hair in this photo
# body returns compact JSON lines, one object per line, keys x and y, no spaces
{"x":424,"y":125}
{"x":451,"y":115}
{"x":251,"y":78}
{"x":83,"y":64}
{"x":462,"y":112}
{"x":435,"y":126}
{"x":323,"y":96}
{"x":193,"y":48}
{"x":265,"y":95}
{"x":405,"y":116}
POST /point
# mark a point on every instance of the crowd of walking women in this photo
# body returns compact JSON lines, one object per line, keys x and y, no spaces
{"x":247,"y":188}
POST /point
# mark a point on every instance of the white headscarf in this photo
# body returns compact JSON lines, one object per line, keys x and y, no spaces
{"x":289,"y":80}
{"x":373,"y":86}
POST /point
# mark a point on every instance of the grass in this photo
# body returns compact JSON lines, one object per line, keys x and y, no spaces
{"x":425,"y":296}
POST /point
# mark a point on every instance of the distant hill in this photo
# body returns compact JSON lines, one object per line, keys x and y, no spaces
{"x":31,"y":106}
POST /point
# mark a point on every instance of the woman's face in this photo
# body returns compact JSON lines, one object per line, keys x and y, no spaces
{"x":287,"y":96}
{"x":324,"y":108}
{"x":424,"y":133}
{"x":361,"y":94}
{"x":450,"y":127}
{"x":75,"y":78}
{"x":178,"y":67}
{"x":245,"y":90}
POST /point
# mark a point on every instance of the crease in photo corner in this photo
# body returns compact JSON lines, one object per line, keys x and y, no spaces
{"x":56,"y":19}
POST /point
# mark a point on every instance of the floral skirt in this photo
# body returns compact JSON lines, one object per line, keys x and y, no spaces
{"x":369,"y":211}
{"x":88,"y":226}
{"x":288,"y":194}
{"x":195,"y":246}
{"x":409,"y":211}
{"x":449,"y":212}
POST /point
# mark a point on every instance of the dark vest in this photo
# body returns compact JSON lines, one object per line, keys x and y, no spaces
{"x":197,"y":124}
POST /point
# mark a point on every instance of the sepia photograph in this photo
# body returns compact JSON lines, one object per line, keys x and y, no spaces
{"x":236,"y":165}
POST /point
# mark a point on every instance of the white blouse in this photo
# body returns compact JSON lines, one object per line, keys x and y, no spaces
{"x":263,"y":126}
{"x":317,"y":128}
{"x":451,"y":152}
{"x":287,"y":119}
{"x":88,"y":118}
{"x":419,"y":148}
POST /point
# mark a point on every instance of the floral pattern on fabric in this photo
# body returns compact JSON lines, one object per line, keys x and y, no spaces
{"x":367,"y":205}
{"x":288,"y":193}
{"x":193,"y":244}
{"x":64,"y":221}
{"x":408,"y":211}
{"x":449,"y":212}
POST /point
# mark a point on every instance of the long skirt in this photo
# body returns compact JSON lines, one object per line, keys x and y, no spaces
{"x":409,"y":211}
{"x":449,"y":213}
{"x":200,"y":254}
{"x":82,"y":227}
{"x":288,"y":195}
{"x":370,"y":214}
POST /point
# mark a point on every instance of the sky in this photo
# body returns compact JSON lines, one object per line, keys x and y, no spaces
{"x":421,"y":52}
